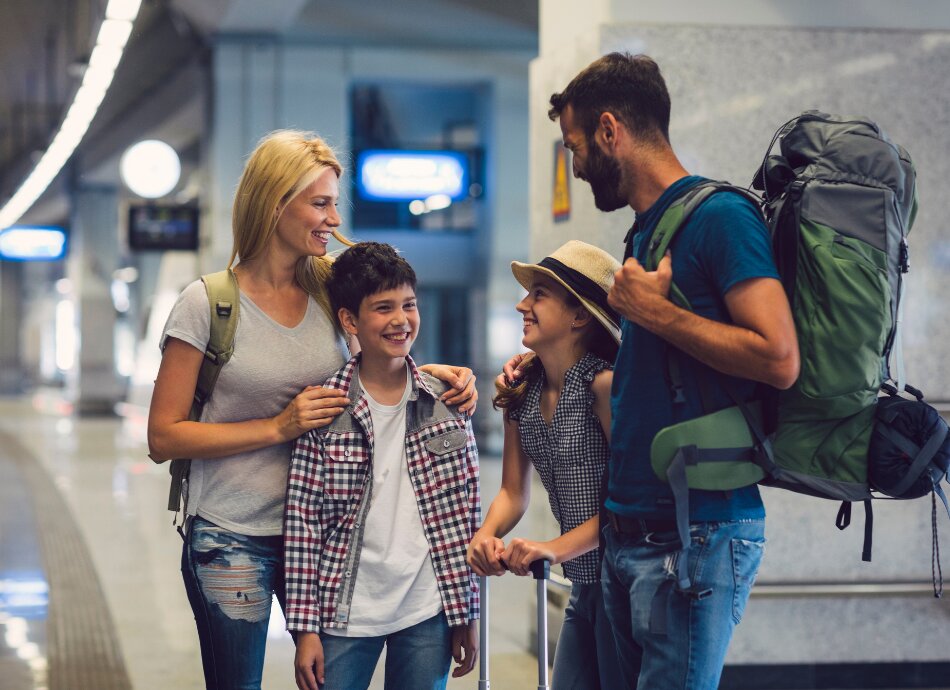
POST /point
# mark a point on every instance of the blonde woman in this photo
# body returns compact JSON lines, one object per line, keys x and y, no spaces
{"x":284,"y":214}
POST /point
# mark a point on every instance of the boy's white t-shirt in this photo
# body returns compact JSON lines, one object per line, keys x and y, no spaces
{"x":395,"y":581}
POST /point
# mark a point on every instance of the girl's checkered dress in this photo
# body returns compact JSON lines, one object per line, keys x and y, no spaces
{"x":570,"y":454}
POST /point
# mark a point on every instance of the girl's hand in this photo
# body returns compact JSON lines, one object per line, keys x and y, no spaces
{"x":464,"y":648}
{"x":484,"y":552}
{"x":314,"y":407}
{"x":308,"y":662}
{"x":511,"y":372}
{"x":521,"y":553}
{"x":462,"y":393}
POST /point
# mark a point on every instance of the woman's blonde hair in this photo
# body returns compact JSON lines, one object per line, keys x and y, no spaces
{"x":284,"y":163}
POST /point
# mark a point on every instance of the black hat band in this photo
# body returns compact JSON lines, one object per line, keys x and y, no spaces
{"x":581,"y":284}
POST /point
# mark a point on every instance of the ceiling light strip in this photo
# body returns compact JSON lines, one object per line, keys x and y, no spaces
{"x":110,"y":44}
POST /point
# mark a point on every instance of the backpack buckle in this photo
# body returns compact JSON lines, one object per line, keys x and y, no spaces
{"x":223,"y":308}
{"x":795,"y":189}
{"x":904,"y":256}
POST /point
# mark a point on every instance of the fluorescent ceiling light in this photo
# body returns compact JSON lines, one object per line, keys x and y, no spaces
{"x":110,"y":43}
{"x":114,"y":33}
{"x":123,"y":9}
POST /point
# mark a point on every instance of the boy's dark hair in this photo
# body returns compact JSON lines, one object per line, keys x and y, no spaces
{"x":365,"y":269}
{"x":628,"y":86}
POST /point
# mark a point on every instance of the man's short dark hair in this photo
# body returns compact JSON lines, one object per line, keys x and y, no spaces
{"x":365,"y":269}
{"x":628,"y":86}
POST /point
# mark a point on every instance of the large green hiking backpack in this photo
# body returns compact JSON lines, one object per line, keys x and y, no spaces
{"x":224,"y":300}
{"x":839,"y":200}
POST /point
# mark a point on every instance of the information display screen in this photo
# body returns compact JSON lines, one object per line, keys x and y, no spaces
{"x":157,"y":227}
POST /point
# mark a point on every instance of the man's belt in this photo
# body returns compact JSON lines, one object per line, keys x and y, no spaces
{"x":638,"y":527}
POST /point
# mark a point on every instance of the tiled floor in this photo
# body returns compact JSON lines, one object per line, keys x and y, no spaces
{"x":126,"y":617}
{"x":90,"y":591}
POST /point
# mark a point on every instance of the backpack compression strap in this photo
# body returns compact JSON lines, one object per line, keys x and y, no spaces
{"x":224,"y":300}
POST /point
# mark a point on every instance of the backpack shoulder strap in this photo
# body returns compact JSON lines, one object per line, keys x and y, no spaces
{"x":675,"y":217}
{"x":224,"y":300}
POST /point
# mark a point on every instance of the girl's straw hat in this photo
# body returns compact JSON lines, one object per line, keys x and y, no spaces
{"x":586,"y":271}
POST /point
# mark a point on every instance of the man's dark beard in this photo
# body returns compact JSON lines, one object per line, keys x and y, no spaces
{"x":603,"y":175}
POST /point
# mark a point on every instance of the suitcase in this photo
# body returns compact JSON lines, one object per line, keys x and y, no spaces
{"x":541,"y":571}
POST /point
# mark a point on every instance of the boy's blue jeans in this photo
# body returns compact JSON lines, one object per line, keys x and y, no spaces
{"x":231,"y":580}
{"x":417,"y":658}
{"x":723,"y":557}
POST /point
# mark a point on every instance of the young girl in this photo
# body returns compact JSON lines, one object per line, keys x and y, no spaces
{"x":557,"y":416}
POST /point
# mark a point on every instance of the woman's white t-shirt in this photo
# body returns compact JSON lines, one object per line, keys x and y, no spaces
{"x":271,"y":364}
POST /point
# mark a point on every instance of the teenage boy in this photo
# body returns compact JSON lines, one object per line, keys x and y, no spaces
{"x":382,"y":503}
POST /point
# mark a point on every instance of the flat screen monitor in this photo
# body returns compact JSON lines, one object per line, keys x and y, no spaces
{"x":160,"y":227}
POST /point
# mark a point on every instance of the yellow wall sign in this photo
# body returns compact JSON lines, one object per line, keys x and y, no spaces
{"x":561,"y":199}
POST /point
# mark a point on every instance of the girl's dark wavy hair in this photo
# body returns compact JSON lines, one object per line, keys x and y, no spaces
{"x":599,"y":342}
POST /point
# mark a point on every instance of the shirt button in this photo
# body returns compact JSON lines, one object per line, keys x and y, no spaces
{"x":347,"y":573}
{"x":445,"y":444}
{"x":346,"y":453}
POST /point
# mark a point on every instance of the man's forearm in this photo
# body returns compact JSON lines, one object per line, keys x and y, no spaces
{"x":728,"y":348}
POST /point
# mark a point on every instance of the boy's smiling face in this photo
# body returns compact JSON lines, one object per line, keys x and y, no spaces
{"x":387,"y":323}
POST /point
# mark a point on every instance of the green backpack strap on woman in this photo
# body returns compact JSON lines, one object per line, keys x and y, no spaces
{"x":224,"y":299}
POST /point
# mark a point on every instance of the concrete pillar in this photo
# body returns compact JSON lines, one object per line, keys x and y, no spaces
{"x":93,"y":384}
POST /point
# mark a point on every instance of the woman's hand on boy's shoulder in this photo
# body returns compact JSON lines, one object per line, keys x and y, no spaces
{"x":464,"y":648}
{"x":461,"y":381}
{"x":312,"y":408}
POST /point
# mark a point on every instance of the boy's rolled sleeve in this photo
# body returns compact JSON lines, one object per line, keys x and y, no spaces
{"x":474,"y":511}
{"x":303,"y":534}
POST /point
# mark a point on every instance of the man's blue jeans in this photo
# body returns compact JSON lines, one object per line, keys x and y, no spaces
{"x":723,"y":557}
{"x":417,"y":658}
{"x":586,"y":657}
{"x":231,"y":579}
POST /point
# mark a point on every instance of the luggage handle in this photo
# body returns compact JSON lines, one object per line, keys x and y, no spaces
{"x":541,"y":572}
{"x":483,"y":682}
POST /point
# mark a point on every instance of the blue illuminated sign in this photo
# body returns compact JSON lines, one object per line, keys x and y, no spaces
{"x":389,"y":175}
{"x":32,"y":243}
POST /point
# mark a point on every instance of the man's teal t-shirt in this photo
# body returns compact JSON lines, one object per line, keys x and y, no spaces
{"x":723,"y":243}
